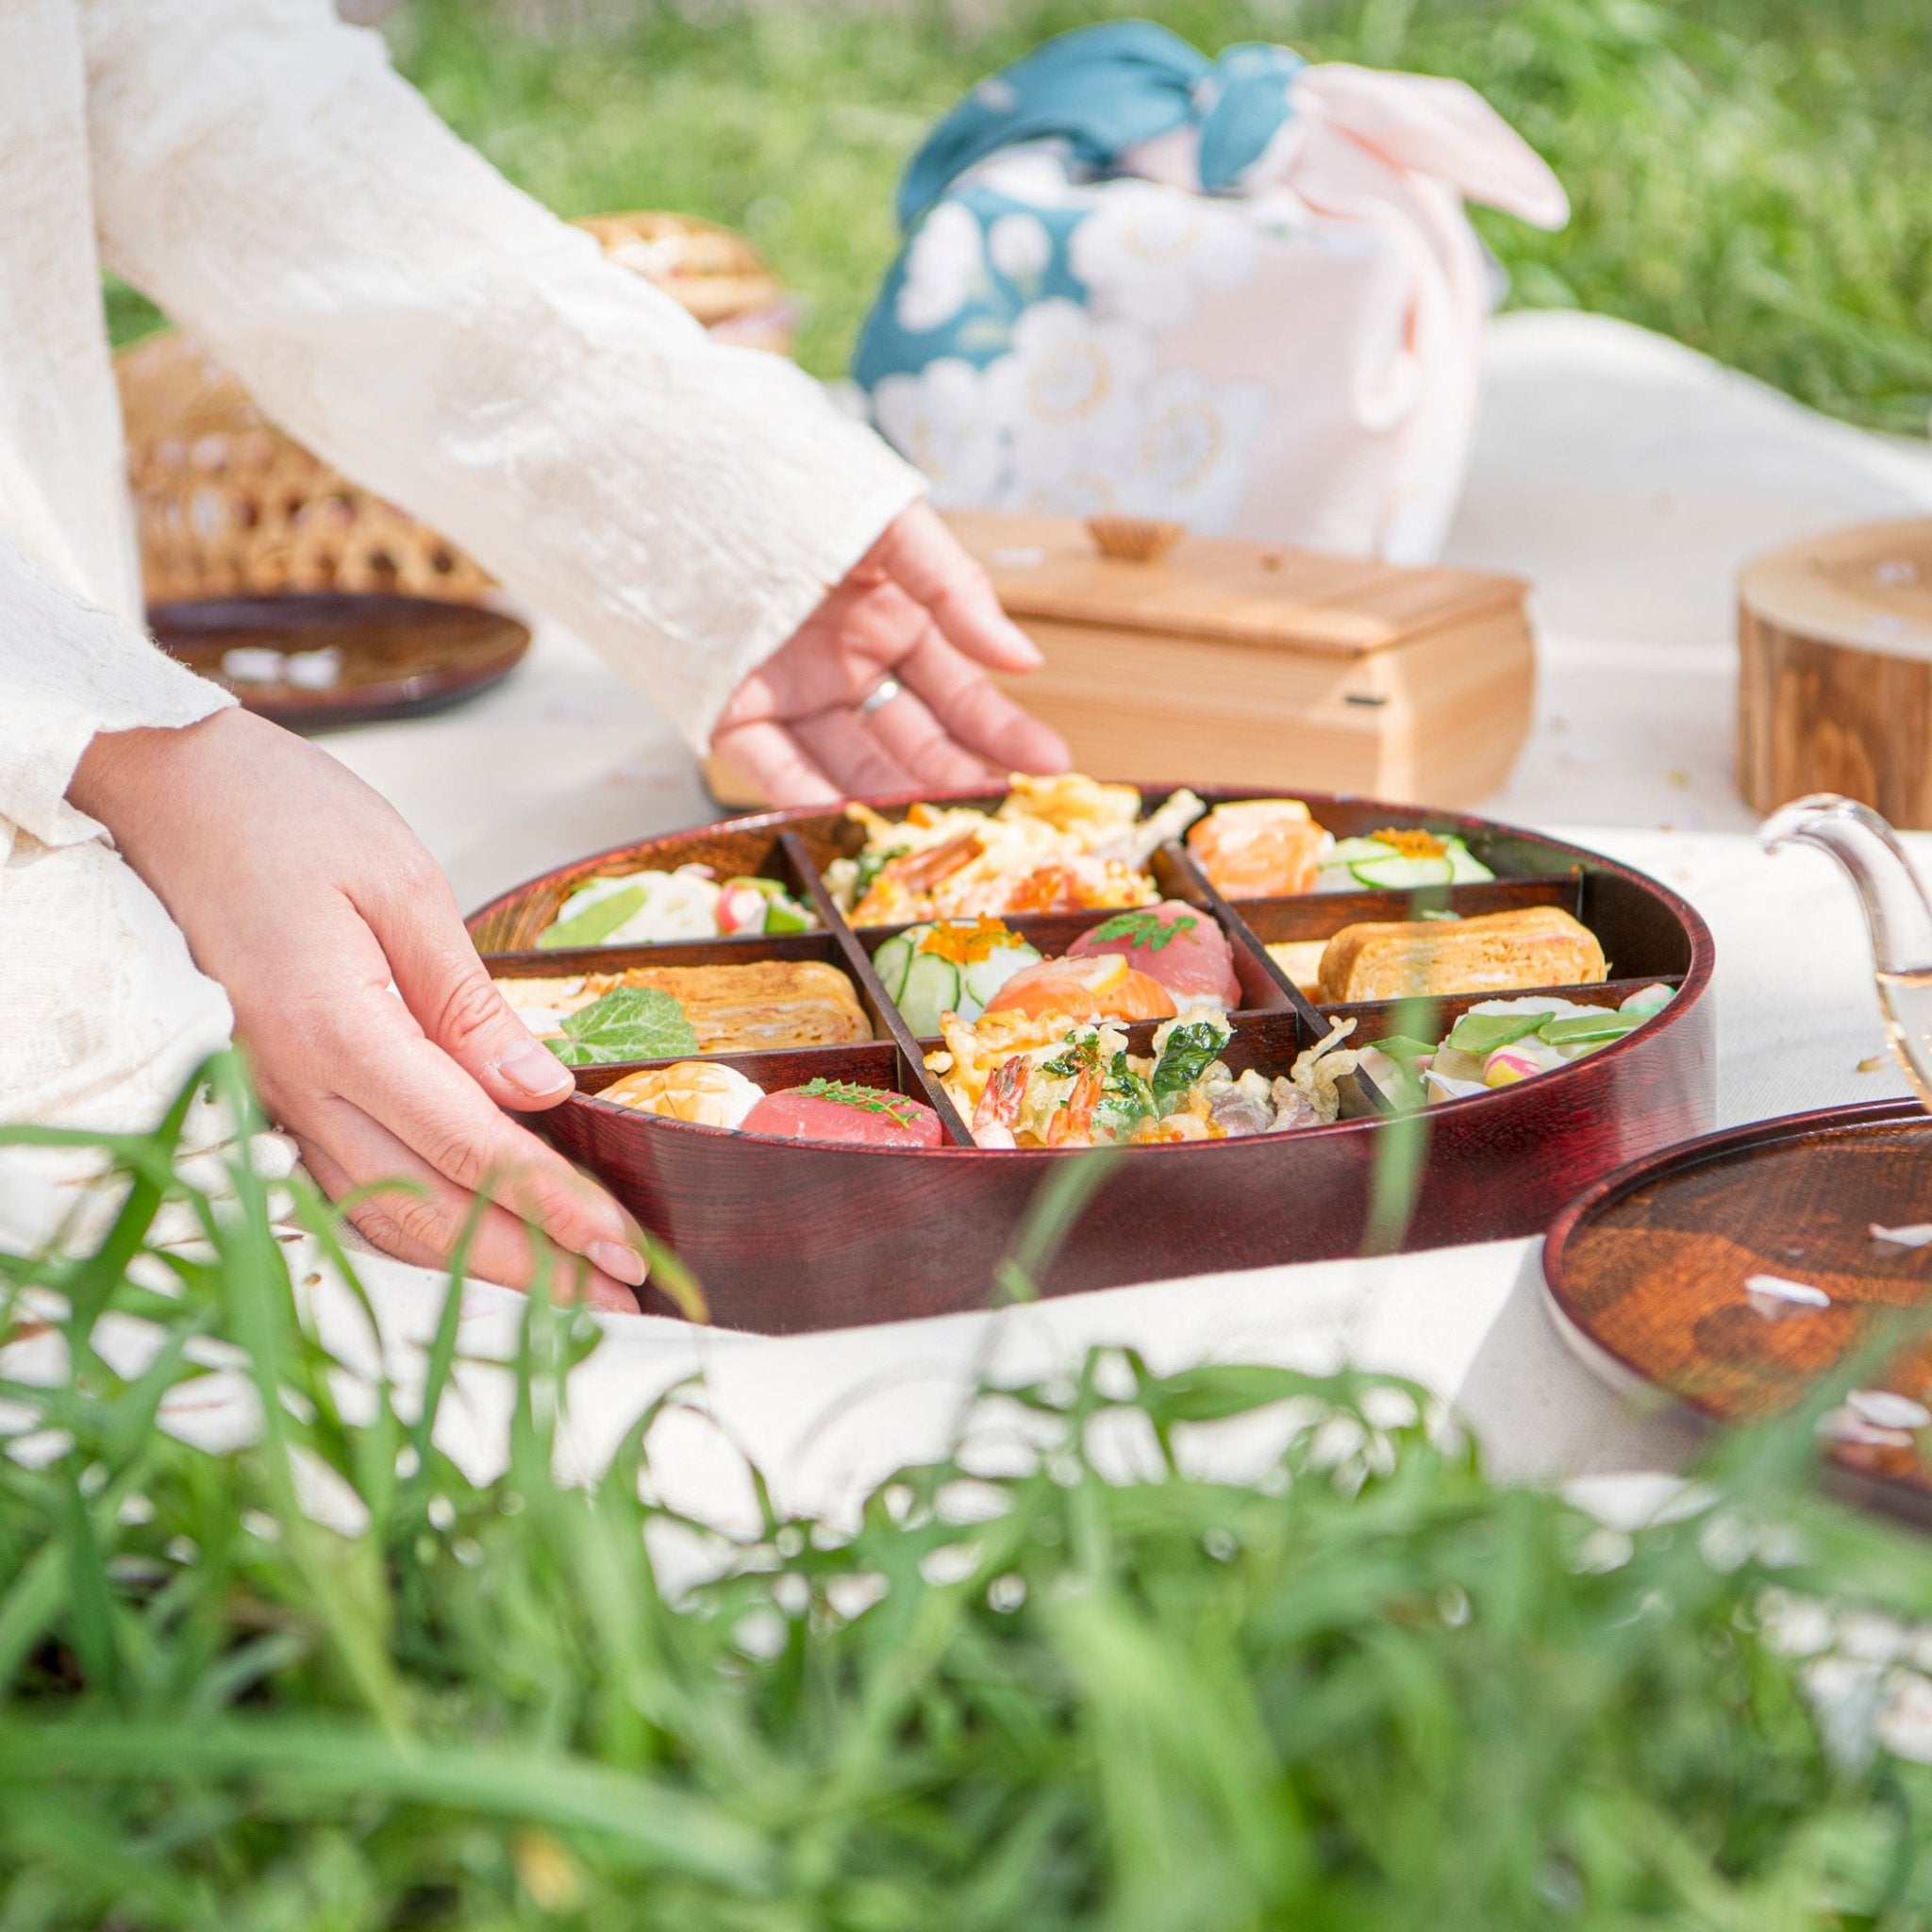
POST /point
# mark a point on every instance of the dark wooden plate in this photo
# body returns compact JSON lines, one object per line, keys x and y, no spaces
{"x":1647,"y":1273}
{"x":788,"y":1235}
{"x":400,"y":657}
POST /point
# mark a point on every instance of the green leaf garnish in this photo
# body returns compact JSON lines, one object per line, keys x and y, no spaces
{"x":1191,"y":1050}
{"x":628,"y":1023}
{"x":595,"y":923}
{"x":896,"y":1106}
{"x":1145,"y":928}
{"x":1081,"y":1056}
{"x":1125,"y":1102}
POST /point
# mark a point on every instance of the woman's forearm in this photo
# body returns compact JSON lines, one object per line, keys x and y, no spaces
{"x":394,"y":302}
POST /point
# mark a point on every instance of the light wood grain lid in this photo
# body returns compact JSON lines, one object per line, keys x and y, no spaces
{"x":1869,"y":588}
{"x":1224,"y":588}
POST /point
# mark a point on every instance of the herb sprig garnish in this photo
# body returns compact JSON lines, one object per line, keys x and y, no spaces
{"x":1146,"y":929}
{"x":896,"y":1106}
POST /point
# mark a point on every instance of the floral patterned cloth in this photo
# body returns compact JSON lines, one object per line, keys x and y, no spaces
{"x":1242,"y":294}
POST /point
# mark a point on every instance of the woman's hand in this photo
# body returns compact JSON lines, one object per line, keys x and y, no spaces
{"x":915,"y":609}
{"x":305,"y":896}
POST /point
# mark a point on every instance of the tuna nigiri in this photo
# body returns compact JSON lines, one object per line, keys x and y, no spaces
{"x":1257,"y":848}
{"x":1179,"y":945}
{"x":1100,"y":987}
{"x":842,"y":1110}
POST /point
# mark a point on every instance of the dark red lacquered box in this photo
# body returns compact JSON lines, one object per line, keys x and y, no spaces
{"x":786,"y":1236}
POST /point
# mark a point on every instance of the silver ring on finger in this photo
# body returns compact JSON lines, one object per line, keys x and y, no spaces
{"x":883,"y":693}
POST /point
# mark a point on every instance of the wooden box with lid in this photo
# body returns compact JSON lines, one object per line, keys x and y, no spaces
{"x":1262,"y":665}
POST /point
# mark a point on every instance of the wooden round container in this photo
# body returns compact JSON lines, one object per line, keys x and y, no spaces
{"x":786,"y":1236}
{"x":1733,"y":1274}
{"x":1835,"y":671}
{"x":792,"y":1235}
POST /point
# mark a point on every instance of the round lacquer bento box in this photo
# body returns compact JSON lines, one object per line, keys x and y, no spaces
{"x":786,"y":1235}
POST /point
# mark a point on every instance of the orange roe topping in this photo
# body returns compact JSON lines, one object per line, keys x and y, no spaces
{"x":963,"y":944}
{"x":1411,"y":844}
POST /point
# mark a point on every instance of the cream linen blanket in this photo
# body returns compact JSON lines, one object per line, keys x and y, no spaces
{"x":255,"y":166}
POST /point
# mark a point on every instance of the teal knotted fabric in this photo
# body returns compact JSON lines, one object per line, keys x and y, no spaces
{"x":1093,"y":95}
{"x":1103,"y":90}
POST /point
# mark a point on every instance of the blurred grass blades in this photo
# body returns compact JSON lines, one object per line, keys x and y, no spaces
{"x":1106,"y":1679}
{"x":1747,"y":175}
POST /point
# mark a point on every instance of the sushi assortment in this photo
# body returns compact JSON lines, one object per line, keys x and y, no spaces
{"x":950,"y":966}
{"x":1272,"y":848}
{"x":1063,"y":844}
{"x":1394,"y":860}
{"x":1181,"y":945}
{"x":840,"y":1111}
{"x":657,"y":1012}
{"x":640,"y":908}
{"x":1144,"y":963}
{"x":1034,"y":1080}
{"x":1498,"y":1042}
{"x":1122,"y":1031}
{"x":1260,"y":848}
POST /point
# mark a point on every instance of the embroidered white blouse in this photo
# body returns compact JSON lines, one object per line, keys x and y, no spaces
{"x":256,"y":167}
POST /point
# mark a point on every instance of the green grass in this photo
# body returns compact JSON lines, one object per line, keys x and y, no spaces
{"x":1753,"y":177}
{"x":1087,"y":1688}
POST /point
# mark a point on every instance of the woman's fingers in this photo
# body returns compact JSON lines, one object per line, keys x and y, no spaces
{"x":854,"y":637}
{"x":931,"y":565}
{"x":771,"y":757}
{"x":919,"y":742}
{"x":431,"y":1107}
{"x":855,"y":761}
{"x":422,"y":1219}
{"x":974,"y":714}
{"x":443,"y":984}
{"x":918,"y":608}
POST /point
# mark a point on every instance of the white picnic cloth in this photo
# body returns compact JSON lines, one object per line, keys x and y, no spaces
{"x":1629,"y":478}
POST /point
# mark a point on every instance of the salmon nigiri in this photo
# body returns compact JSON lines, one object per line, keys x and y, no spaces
{"x":1181,"y":945}
{"x":1258,"y":848}
{"x":1096,"y":988}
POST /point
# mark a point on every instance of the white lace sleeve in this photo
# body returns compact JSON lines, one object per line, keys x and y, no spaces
{"x":261,"y":172}
{"x":67,"y":671}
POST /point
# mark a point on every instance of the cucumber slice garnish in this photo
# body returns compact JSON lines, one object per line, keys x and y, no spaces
{"x":1404,"y":874}
{"x":595,"y":923}
{"x":891,"y":962}
{"x":931,"y":988}
{"x":1466,"y":869}
{"x":982,"y":979}
{"x":1357,"y":852}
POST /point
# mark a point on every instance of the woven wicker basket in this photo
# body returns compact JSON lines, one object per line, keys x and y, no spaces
{"x":227,"y":505}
